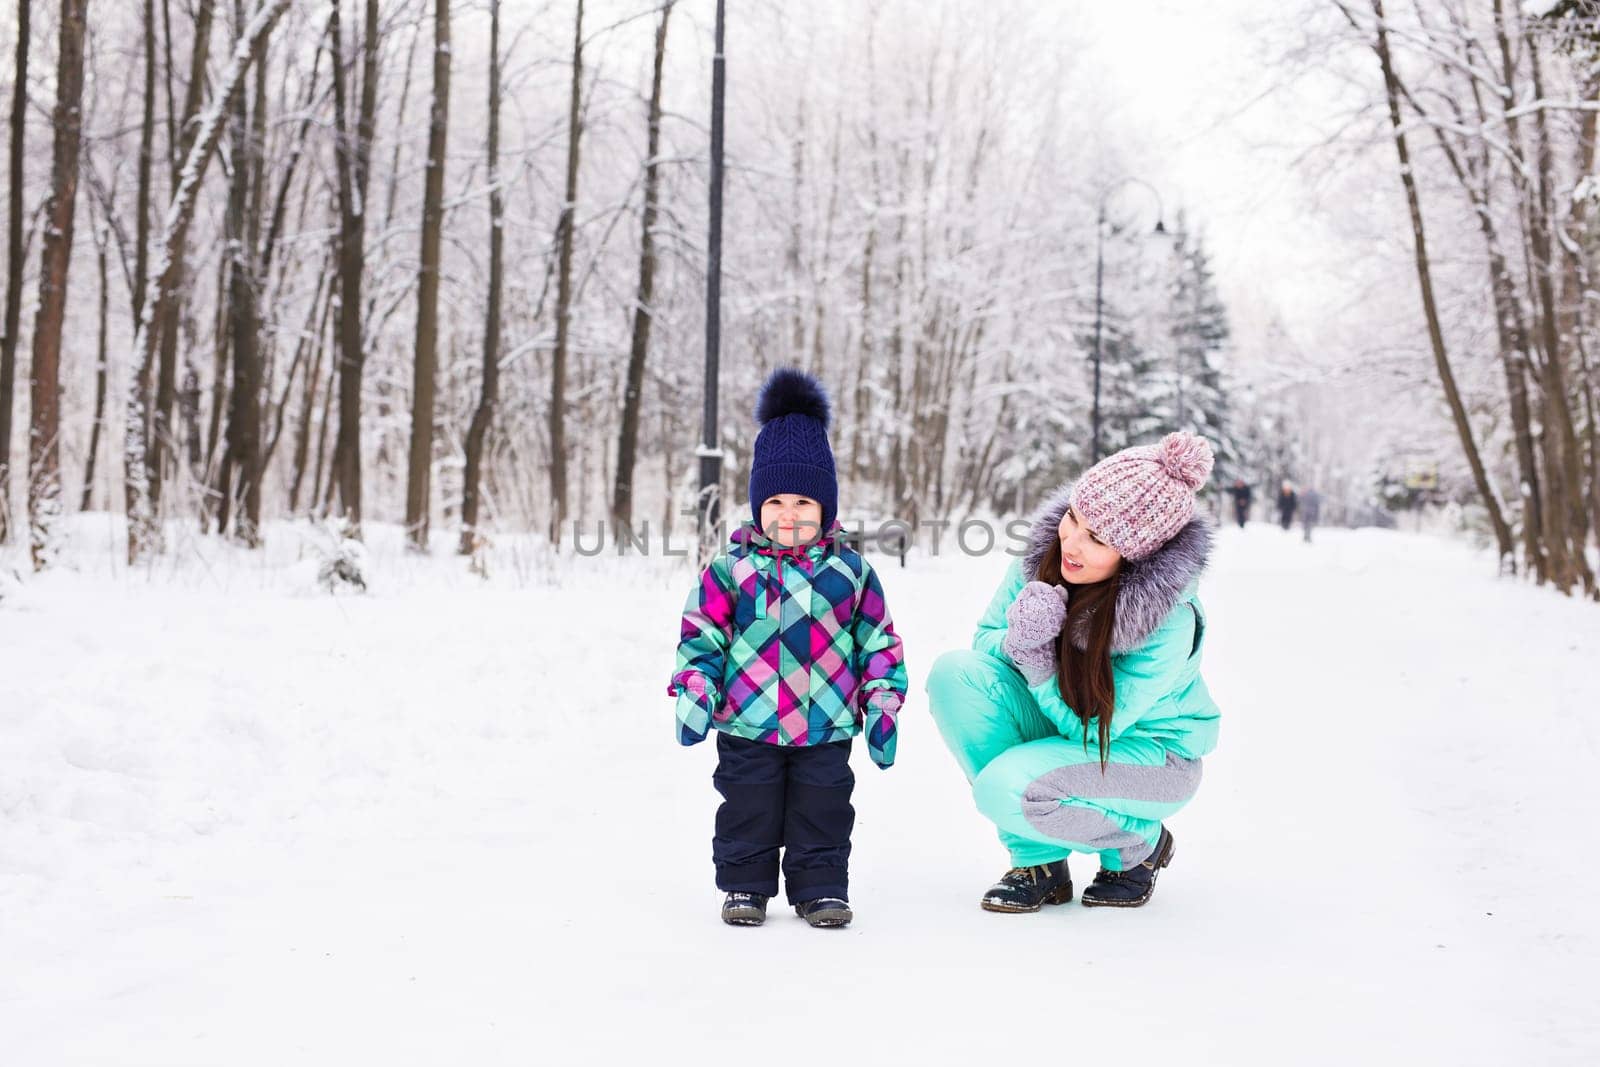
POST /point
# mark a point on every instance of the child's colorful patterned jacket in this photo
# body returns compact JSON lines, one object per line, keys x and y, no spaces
{"x":790,"y":646}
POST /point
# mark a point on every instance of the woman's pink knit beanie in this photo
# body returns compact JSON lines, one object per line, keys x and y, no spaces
{"x":1137,"y":499}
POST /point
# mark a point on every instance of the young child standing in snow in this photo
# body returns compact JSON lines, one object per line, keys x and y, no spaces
{"x":787,"y":650}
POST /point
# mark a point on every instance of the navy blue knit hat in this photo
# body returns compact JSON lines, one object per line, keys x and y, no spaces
{"x":791,"y":453}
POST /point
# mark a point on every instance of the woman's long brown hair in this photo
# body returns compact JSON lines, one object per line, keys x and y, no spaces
{"x":1084,"y":676}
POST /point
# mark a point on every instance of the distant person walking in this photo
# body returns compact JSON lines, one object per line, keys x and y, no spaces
{"x":1310,"y":510}
{"x":1243,"y":497}
{"x":1287,"y":502}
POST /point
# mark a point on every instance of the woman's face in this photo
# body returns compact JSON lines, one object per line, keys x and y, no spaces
{"x":791,"y":520}
{"x":1085,"y":559}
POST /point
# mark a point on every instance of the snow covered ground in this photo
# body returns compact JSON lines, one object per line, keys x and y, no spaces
{"x":246,"y":822}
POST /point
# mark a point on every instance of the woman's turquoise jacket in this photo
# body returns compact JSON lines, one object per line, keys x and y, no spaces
{"x":1156,"y":644}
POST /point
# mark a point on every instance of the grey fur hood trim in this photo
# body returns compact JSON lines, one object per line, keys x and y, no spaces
{"x":1151,"y":587}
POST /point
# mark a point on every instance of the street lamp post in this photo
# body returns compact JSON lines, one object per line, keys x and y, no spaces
{"x":708,"y":506}
{"x":1099,"y":285}
{"x":1177,"y":358}
{"x":1177,"y":355}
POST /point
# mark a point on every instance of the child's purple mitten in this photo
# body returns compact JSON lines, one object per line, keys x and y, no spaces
{"x":693,"y":708}
{"x":883,"y":709}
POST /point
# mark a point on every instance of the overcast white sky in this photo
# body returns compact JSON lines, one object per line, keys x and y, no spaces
{"x":1215,"y":121}
{"x":1196,"y":97}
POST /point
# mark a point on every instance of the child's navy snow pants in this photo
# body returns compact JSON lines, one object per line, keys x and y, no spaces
{"x":793,"y":797}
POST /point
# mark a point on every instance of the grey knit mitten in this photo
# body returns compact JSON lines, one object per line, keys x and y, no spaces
{"x":1033,"y":622}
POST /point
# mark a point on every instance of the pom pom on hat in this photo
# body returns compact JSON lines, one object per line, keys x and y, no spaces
{"x":792,"y":392}
{"x":1186,"y":458}
{"x":791,"y":453}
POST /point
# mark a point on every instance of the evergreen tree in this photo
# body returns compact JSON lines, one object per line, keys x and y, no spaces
{"x":1135,"y":396}
{"x":1199,"y":336}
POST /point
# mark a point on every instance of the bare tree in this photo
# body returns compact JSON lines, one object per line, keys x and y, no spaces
{"x":143,"y":529}
{"x":147,"y":126}
{"x":1563,"y":472}
{"x":163,"y":359}
{"x":243,"y":452}
{"x":102,"y":365}
{"x":1473,"y":100}
{"x":44,"y":437}
{"x":483,"y":415}
{"x":14,"y":265}
{"x":564,"y":241}
{"x":1458,"y":412}
{"x":354,"y":154}
{"x":644,"y":305}
{"x":427,"y":354}
{"x":891,"y":239}
{"x":308,"y":402}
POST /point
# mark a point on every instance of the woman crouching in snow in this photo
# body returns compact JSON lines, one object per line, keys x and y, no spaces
{"x":1079,"y":715}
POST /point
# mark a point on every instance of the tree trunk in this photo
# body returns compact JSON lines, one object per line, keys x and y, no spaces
{"x":44,"y":436}
{"x":819,"y":350}
{"x":143,"y":530}
{"x":166,"y":80}
{"x":483,"y":416}
{"x":266,"y":332}
{"x":564,"y":240}
{"x":1554,"y":542}
{"x":1560,"y":323}
{"x":1511,"y":330}
{"x":147,"y":126}
{"x":242,"y":458}
{"x":897,"y":341}
{"x":160,"y":446}
{"x":644,"y":306}
{"x":1562,"y":471}
{"x":317,"y":504}
{"x":189,"y":412}
{"x":1592,"y":414}
{"x":792,"y":254}
{"x":220,"y":362}
{"x":141,"y":209}
{"x":1576,"y":281}
{"x":864,"y":360}
{"x":309,"y":343}
{"x":353,"y":157}
{"x":1480,"y":477}
{"x":860,"y":461}
{"x":1513,"y":338}
{"x":308,"y":406}
{"x":101,"y":368}
{"x":402,"y":128}
{"x":280,"y":203}
{"x":14,"y":265}
{"x":427,"y":356}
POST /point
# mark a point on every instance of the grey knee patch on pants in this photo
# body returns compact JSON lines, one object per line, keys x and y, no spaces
{"x":1084,"y":826}
{"x":1171,"y":783}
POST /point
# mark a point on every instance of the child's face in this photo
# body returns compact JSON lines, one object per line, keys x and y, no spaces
{"x":1085,"y":558}
{"x":791,"y":520}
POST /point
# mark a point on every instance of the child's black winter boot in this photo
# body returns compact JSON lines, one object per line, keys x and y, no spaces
{"x":744,"y":909}
{"x":825,"y":911}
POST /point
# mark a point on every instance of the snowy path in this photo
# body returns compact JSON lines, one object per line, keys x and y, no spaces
{"x":444,"y":823}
